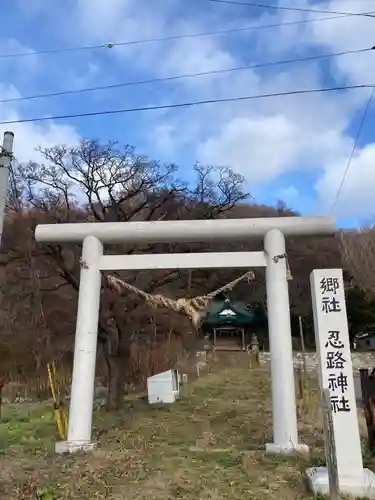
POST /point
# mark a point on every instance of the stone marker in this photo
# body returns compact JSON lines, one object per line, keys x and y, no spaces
{"x":336,"y":374}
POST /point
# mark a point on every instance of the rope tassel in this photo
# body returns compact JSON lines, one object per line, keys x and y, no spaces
{"x":193,"y":308}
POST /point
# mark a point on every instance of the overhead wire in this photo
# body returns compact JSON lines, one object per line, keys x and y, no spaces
{"x":337,"y":15}
{"x":186,"y":104}
{"x":111,"y":45}
{"x":354,"y":148}
{"x":290,"y":8}
{"x":185,"y":76}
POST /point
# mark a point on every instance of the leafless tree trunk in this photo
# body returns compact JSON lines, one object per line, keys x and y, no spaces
{"x":117,"y":185}
{"x":116,"y":371}
{"x":358,"y":253}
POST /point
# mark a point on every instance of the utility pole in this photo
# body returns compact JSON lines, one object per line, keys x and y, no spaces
{"x":6,"y":152}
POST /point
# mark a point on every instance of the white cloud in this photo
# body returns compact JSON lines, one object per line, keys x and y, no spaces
{"x":82,"y":77}
{"x":350,"y":33}
{"x":288,"y":194}
{"x":308,"y":132}
{"x":263,"y":139}
{"x":121,"y":20}
{"x":22,"y":70}
{"x":163,"y":135}
{"x":18,"y":67}
{"x":265,"y":147}
{"x":243,"y":143}
{"x":357,"y":193}
{"x":198,"y":57}
{"x":28,"y":136}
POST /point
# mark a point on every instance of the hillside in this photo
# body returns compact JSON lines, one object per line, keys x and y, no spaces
{"x":210,"y":444}
{"x":39,"y":285}
{"x":38,"y":320}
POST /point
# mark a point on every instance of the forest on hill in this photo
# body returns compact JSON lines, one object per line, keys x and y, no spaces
{"x":105,"y":182}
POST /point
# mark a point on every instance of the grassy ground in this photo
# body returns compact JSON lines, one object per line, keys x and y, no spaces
{"x":209,"y":445}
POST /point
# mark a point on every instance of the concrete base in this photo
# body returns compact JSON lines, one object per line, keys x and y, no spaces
{"x":288,"y":449}
{"x":72,"y":447}
{"x":362,"y":487}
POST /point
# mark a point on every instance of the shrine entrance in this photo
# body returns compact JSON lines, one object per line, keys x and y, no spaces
{"x":227,"y":325}
{"x":228,"y":338}
{"x":94,"y":261}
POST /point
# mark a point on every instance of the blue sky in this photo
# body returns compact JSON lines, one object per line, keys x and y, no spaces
{"x":290,"y":148}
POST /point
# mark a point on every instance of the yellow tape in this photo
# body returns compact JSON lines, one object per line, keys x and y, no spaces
{"x":59,"y":413}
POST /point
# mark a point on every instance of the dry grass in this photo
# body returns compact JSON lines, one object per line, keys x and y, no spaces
{"x":209,"y":445}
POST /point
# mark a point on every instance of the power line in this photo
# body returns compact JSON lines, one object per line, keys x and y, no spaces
{"x":184,"y":76}
{"x":355,"y":145}
{"x":296,"y":9}
{"x":170,"y":38}
{"x":186,"y":104}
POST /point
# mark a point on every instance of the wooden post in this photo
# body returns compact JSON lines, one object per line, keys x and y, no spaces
{"x":367,"y":408}
{"x":2,"y":383}
{"x":250,"y":355}
{"x":190,"y":277}
{"x":302,"y":345}
{"x":299,"y":383}
{"x":299,"y":390}
{"x":329,"y":446}
{"x":254,"y":350}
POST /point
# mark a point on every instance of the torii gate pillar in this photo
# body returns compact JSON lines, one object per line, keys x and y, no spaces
{"x":285,"y":434}
{"x":85,"y":349}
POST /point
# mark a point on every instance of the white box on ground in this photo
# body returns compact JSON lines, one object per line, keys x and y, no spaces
{"x":163,"y":387}
{"x":182,"y":378}
{"x":336,"y":374}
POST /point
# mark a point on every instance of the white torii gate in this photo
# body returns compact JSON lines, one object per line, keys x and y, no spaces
{"x":94,"y":235}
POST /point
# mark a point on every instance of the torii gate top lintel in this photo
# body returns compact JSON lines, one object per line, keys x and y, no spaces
{"x":183,"y":230}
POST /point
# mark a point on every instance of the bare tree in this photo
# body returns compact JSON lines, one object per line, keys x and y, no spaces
{"x":95,"y":182}
{"x":358,"y":253}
